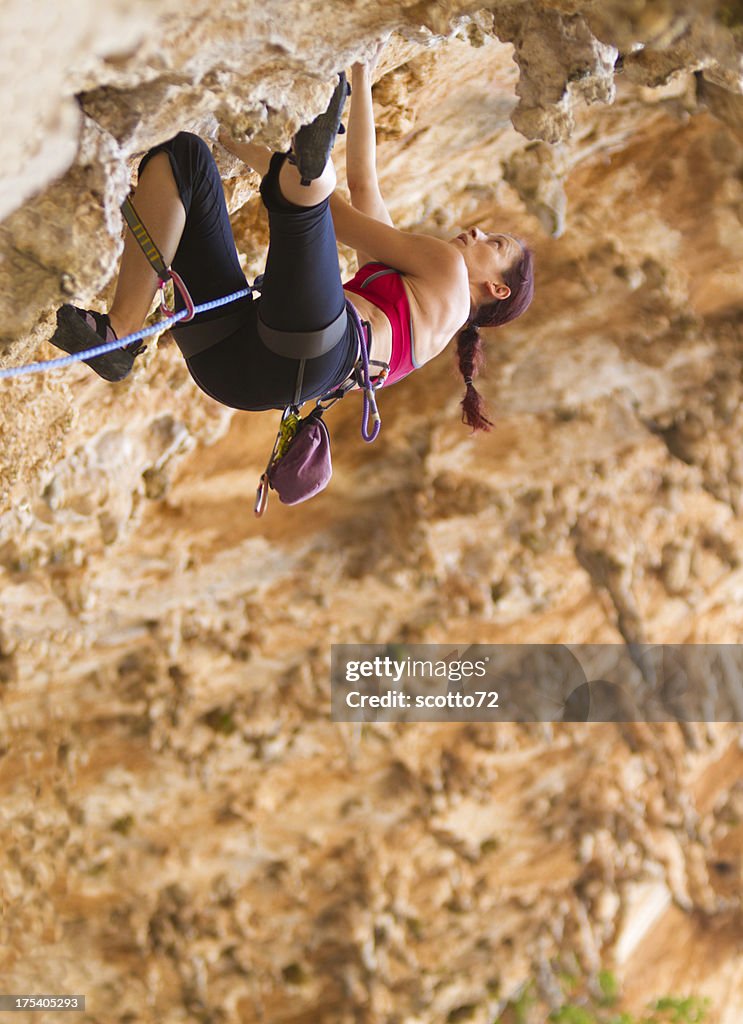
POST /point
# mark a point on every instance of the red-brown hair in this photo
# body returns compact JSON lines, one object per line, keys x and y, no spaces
{"x":520,"y":279}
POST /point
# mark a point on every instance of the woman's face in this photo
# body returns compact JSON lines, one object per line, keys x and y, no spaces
{"x":487,"y":257}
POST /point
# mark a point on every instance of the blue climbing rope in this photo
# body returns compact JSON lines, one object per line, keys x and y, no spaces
{"x":109,"y":346}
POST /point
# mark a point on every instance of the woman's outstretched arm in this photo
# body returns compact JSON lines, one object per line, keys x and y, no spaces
{"x":417,"y":255}
{"x":361,"y":150}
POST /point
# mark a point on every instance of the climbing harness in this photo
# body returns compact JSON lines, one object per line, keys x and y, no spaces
{"x":300,"y":464}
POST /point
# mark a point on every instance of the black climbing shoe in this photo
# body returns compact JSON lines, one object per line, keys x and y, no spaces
{"x":80,"y":329}
{"x":313,"y":143}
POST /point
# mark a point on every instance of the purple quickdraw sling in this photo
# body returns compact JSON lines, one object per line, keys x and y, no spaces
{"x":370,"y":401}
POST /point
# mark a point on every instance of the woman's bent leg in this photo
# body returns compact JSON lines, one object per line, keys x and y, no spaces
{"x":290,"y":180}
{"x":301,"y":292}
{"x":205,"y":255}
{"x":181,"y":203}
{"x":292,"y":189}
{"x":302,"y":289}
{"x":161,"y":209}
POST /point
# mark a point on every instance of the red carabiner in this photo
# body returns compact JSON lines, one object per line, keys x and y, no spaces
{"x":180,"y":285}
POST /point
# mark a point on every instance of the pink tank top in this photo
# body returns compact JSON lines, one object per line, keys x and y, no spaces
{"x":383,"y":287}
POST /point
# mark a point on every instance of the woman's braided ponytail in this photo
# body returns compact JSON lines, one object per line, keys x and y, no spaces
{"x":470,"y":355}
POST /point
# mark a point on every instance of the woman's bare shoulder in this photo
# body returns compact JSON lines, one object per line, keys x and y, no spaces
{"x":440,"y":297}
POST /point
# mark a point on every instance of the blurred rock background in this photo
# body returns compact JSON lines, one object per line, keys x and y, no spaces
{"x":185,"y":835}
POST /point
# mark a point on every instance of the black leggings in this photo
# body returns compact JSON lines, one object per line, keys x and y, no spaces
{"x":301,"y":290}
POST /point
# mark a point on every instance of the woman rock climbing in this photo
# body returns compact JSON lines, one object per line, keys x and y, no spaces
{"x":296,"y":342}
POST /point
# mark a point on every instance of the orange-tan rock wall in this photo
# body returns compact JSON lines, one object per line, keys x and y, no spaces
{"x":185,"y":834}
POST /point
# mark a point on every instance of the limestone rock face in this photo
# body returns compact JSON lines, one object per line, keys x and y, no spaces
{"x":186,"y":835}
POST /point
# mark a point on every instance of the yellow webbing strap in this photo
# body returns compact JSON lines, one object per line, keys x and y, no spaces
{"x":146,"y":244}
